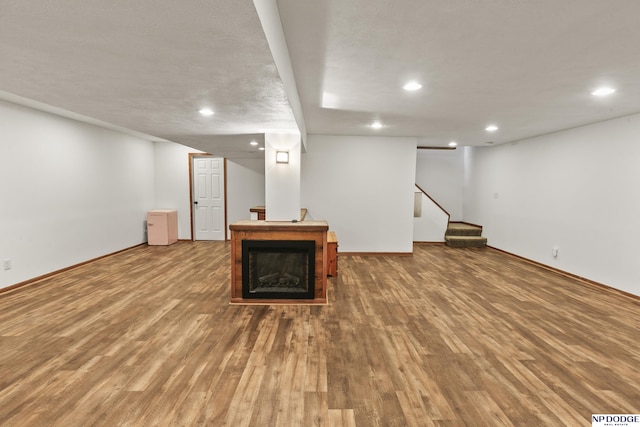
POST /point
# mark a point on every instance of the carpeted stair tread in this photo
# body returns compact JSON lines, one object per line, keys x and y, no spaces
{"x":466,"y":241}
{"x":460,"y":229}
{"x":463,"y":235}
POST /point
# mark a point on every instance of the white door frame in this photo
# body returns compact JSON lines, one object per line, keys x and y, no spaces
{"x":191,"y":201}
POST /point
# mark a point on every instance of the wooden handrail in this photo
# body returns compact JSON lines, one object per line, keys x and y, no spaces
{"x":436,"y":203}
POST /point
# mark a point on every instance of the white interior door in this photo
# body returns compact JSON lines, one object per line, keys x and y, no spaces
{"x":208,"y":198}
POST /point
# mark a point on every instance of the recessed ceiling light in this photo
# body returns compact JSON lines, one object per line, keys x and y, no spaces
{"x":491,"y":128}
{"x":376,"y":125}
{"x":254,"y":143}
{"x":261,"y":148}
{"x":603,"y":91}
{"x":206,"y":112}
{"x":412,"y":86}
{"x":453,"y":144}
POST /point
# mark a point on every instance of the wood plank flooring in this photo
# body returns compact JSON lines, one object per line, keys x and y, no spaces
{"x":447,"y":337}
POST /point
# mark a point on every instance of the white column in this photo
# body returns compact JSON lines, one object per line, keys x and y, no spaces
{"x":282,"y":180}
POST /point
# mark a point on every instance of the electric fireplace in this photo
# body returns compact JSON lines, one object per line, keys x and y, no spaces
{"x":278,"y":269}
{"x":279,"y":262}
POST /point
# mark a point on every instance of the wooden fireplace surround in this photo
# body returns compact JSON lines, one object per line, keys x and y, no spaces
{"x":279,"y":230}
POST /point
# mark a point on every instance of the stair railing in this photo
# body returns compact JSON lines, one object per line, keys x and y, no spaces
{"x":435,"y":203}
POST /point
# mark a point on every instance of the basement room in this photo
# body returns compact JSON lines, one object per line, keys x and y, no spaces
{"x":296,"y":213}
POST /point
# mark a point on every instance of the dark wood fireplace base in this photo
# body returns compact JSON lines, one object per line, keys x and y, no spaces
{"x":274,"y":231}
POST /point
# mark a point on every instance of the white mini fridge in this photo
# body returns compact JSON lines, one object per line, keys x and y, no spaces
{"x":162,"y":227}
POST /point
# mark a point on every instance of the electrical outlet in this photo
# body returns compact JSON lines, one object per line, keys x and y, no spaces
{"x":554,"y":252}
{"x":6,"y":264}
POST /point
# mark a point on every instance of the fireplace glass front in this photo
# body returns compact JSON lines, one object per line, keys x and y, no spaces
{"x":278,"y":269}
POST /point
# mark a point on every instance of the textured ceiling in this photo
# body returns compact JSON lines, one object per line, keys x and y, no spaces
{"x":527,"y":66}
{"x":149,"y":65}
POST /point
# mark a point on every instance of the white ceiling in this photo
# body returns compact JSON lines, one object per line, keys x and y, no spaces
{"x":149,"y":65}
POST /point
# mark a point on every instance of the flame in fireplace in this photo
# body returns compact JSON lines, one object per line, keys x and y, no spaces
{"x":284,"y":280}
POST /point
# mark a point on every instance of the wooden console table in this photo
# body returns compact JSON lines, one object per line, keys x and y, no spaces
{"x":332,"y":254}
{"x":260,"y":213}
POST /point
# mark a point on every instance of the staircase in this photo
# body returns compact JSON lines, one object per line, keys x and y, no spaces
{"x":461,"y":235}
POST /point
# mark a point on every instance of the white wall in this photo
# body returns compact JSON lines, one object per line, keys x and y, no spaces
{"x":440,"y":173}
{"x":172,"y":182}
{"x":245,"y":188}
{"x":576,"y":190}
{"x":431,"y":225}
{"x":70,"y":192}
{"x":363,"y":186}
{"x":282,"y":189}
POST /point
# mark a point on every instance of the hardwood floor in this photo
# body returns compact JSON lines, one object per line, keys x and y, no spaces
{"x":448,"y":337}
